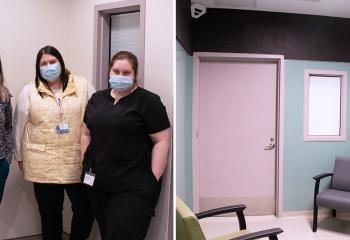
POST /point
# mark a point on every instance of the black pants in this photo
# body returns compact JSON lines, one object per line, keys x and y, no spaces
{"x":119,"y":215}
{"x":50,"y":202}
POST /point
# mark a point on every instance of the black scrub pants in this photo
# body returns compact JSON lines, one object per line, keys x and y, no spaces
{"x":50,"y":199}
{"x":120,"y":215}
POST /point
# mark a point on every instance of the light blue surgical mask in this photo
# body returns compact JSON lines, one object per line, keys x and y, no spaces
{"x":121,"y":83}
{"x":51,"y":72}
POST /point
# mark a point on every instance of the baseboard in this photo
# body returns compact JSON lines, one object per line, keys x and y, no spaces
{"x":29,"y":236}
{"x":305,"y":213}
{"x":343,"y":215}
{"x":309,"y":213}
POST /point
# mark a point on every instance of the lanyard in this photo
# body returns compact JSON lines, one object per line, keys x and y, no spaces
{"x":59,"y":102}
{"x":58,"y":96}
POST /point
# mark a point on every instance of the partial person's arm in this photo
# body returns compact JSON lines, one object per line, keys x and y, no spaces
{"x":85,"y":140}
{"x":85,"y":132}
{"x":20,"y":120}
{"x":90,"y":90}
{"x":161,"y":141}
{"x":9,"y":137}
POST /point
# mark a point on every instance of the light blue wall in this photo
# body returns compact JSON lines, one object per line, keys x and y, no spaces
{"x":303,"y":160}
{"x":183,"y":122}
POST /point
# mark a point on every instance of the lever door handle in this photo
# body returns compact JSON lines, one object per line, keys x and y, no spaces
{"x":269,"y":147}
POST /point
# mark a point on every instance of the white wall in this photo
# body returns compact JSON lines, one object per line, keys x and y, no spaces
{"x":159,"y":72}
{"x":80,"y":31}
{"x":28,"y":25}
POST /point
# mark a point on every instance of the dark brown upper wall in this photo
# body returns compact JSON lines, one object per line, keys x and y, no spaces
{"x":184,"y":24}
{"x":296,"y":36}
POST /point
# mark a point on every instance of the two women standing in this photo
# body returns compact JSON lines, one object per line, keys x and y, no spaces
{"x":122,"y":133}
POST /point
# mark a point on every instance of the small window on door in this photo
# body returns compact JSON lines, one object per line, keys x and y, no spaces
{"x":125,"y":33}
{"x":325,"y":105}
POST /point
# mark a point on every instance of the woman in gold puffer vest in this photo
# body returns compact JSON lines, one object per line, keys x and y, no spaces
{"x":48,"y":122}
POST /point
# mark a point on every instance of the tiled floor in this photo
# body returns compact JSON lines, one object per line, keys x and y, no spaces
{"x":294,"y":227}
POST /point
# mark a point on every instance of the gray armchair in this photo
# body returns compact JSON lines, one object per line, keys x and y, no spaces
{"x":337,"y":197}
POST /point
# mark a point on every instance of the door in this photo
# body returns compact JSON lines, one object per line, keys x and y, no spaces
{"x":237,"y":135}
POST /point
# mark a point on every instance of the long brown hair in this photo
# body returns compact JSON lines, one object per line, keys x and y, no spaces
{"x":4,"y":92}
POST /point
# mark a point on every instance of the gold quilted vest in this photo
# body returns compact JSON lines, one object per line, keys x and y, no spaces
{"x":49,"y":157}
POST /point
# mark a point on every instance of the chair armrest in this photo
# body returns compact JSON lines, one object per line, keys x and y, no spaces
{"x":270,"y":233}
{"x":323,"y":175}
{"x":317,"y":183}
{"x":238,"y":209}
{"x":221,"y":210}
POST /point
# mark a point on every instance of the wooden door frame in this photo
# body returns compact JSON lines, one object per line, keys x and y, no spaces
{"x":234,"y":57}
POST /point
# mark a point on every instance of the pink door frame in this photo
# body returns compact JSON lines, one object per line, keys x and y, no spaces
{"x":101,"y":38}
{"x":279,"y":60}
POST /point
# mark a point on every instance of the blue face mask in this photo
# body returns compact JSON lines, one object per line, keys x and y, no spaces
{"x":51,"y":72}
{"x":121,"y":83}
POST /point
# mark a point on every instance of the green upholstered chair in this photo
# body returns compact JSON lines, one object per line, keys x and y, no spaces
{"x":188,"y":228}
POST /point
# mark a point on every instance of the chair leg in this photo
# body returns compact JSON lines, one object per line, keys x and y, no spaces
{"x":314,"y":224}
{"x":334,"y":213}
{"x":274,"y":237}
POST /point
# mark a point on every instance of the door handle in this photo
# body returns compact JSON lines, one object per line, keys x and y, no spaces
{"x":269,"y":147}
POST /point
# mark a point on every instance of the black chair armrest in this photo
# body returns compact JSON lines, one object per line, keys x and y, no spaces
{"x":238,"y":209}
{"x":221,"y":210}
{"x":317,"y":183}
{"x":270,"y":233}
{"x":323,"y":175}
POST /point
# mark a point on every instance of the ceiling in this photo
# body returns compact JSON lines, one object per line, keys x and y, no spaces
{"x":334,"y":8}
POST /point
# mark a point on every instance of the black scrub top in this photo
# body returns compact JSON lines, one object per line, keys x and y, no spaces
{"x":120,"y":150}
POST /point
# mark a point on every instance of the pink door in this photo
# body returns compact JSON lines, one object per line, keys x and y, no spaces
{"x":236,"y":135}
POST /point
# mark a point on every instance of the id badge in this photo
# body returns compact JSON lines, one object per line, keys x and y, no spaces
{"x":89,"y":178}
{"x":61,"y":128}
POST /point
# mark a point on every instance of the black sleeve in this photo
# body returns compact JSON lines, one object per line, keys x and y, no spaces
{"x":88,"y":105}
{"x":155,"y":117}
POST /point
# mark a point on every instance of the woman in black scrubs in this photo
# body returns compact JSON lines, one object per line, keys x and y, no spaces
{"x":126,"y":137}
